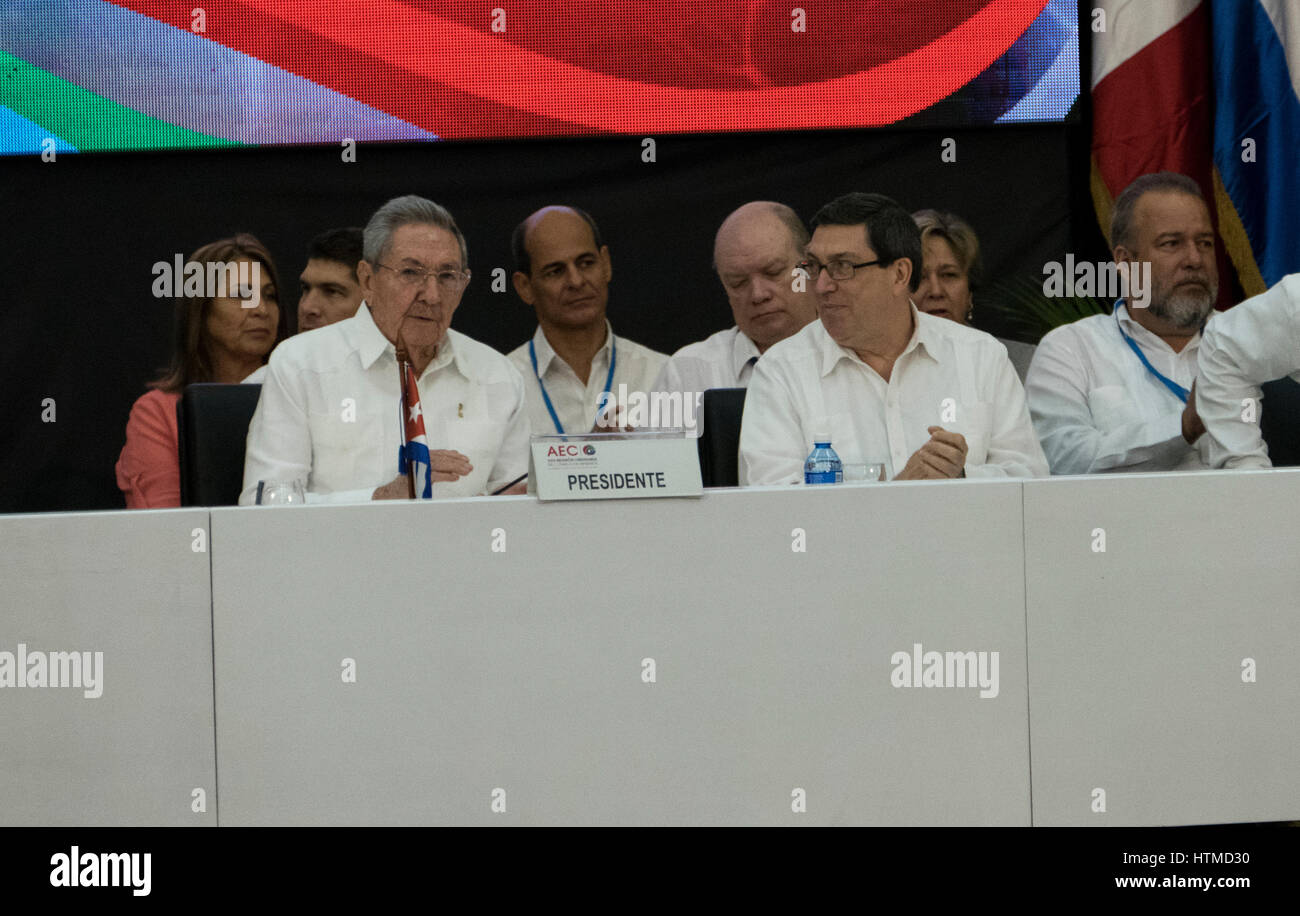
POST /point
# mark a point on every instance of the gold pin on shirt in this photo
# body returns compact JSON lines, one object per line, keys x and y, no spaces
{"x":460,"y":411}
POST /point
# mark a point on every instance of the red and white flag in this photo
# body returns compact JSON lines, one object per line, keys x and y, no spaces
{"x":1152,"y":99}
{"x":416,"y":447}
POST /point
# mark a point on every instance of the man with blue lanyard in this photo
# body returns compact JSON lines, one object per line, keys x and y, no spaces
{"x":1111,"y":392}
{"x":577,"y":373}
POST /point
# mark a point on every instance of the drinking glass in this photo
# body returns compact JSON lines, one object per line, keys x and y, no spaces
{"x":281,"y":493}
{"x":864,"y":472}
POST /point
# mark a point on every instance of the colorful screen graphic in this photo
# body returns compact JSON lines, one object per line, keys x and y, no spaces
{"x":83,"y":75}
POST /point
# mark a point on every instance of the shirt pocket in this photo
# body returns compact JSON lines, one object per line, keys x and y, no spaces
{"x":345,"y":454}
{"x":1111,"y":407}
{"x":480,"y":442}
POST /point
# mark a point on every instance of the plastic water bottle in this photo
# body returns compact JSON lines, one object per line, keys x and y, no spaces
{"x":822,"y":464}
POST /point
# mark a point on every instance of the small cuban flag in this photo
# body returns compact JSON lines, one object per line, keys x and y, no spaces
{"x":416,"y":447}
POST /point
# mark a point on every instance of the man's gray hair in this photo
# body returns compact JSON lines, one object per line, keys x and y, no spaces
{"x":405,"y":211}
{"x":1121,"y":220}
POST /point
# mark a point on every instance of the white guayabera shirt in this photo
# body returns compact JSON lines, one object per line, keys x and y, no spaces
{"x":1097,"y":408}
{"x":1255,"y":342}
{"x":330,"y":414}
{"x":722,"y":360}
{"x":576,"y":404}
{"x":949,"y":375}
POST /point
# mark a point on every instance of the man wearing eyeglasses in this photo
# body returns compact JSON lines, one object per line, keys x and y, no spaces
{"x":577,"y":373}
{"x":928,"y":398}
{"x":331,"y":406}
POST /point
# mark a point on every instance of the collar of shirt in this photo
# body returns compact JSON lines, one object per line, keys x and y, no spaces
{"x":547,"y":355}
{"x":743,"y":350}
{"x":371,"y":344}
{"x":1148,"y":340}
{"x":924,"y":336}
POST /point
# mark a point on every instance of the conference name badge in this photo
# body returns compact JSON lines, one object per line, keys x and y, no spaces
{"x":615,"y":466}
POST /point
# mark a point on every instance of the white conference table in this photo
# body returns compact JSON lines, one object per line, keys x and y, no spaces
{"x":674,"y":661}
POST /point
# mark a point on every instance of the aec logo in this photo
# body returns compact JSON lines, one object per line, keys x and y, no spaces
{"x":589,"y":449}
{"x":561,"y":451}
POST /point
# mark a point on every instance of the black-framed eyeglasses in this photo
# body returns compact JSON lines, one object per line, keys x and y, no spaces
{"x":839,"y":268}
{"x":448,"y":280}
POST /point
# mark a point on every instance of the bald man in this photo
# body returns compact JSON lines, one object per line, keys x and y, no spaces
{"x":574,"y":366}
{"x":754,"y":253}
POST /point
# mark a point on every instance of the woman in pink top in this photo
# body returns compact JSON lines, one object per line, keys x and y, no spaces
{"x":218,"y":339}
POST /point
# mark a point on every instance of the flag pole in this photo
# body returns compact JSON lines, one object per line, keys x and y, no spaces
{"x":403,"y":367}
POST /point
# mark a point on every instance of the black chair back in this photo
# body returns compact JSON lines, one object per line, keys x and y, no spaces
{"x":1279,"y":422}
{"x":719,"y":441}
{"x":212,"y":422}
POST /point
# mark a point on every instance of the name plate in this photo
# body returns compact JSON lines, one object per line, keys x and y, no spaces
{"x":615,"y":466}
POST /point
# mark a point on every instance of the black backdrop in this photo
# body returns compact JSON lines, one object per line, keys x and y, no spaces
{"x":78,"y":322}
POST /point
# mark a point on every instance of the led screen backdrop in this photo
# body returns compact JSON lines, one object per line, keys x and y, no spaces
{"x":149,"y":74}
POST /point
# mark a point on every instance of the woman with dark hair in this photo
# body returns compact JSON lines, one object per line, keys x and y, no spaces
{"x":220,"y":337}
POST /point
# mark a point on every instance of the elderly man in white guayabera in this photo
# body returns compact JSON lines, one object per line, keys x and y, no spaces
{"x":330,"y":411}
{"x":755,"y":253}
{"x":1254,"y":342}
{"x":576,"y":371}
{"x":1111,"y":392}
{"x":927,"y":397}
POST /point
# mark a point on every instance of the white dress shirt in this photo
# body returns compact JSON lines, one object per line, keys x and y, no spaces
{"x":330,"y":414}
{"x":722,"y":360}
{"x":576,"y":404}
{"x":1252,"y":343}
{"x":949,"y":375}
{"x":1097,"y":408}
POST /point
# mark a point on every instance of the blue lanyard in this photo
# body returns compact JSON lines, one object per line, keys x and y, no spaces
{"x":1179,"y":391}
{"x":550,"y":408}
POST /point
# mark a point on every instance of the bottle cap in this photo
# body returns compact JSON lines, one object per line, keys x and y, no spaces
{"x":821,"y":439}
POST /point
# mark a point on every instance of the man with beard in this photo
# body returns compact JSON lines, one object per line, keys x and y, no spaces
{"x":1111,"y":392}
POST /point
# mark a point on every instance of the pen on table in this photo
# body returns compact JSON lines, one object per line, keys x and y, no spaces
{"x":509,"y":485}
